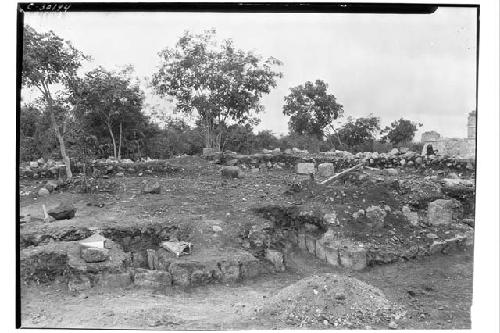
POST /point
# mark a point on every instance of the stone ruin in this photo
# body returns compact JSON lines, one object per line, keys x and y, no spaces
{"x":464,"y":148}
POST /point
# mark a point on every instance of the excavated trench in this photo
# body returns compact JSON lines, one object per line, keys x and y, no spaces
{"x":136,"y":256}
{"x":310,"y":231}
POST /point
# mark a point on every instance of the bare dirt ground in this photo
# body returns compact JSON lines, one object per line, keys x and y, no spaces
{"x":436,"y":291}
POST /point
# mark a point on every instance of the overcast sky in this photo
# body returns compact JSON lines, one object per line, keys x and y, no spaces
{"x":419,"y":67}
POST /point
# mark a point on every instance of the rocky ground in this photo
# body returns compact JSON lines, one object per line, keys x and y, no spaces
{"x":263,"y":244}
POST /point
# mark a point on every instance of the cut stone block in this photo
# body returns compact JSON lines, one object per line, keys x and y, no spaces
{"x":311,"y":244}
{"x":441,"y":211}
{"x":116,"y":280}
{"x":152,"y":278}
{"x":94,"y":254}
{"x":353,"y":257}
{"x":302,"y":241}
{"x":326,"y":170}
{"x":320,"y":251}
{"x":276,"y":258}
{"x":305,"y":168}
{"x":332,"y":255}
{"x":230,"y":172}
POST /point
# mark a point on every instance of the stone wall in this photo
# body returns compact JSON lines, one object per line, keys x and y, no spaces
{"x":458,"y":148}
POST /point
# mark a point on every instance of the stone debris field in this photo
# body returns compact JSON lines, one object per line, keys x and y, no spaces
{"x":273,"y":240}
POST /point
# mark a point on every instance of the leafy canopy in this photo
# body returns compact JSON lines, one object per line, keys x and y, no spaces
{"x":359,"y":131}
{"x":214,"y":79}
{"x":400,"y":131}
{"x":311,"y":108}
{"x":48,"y":59}
{"x":105,"y":98}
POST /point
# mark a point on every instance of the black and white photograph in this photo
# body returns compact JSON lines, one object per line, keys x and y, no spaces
{"x":265,"y":166}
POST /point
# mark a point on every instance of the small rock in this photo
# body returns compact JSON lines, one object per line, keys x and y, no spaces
{"x":393,"y":325}
{"x":432,"y":236}
{"x":151,"y":188}
{"x":216,"y":228}
{"x":43,"y":192}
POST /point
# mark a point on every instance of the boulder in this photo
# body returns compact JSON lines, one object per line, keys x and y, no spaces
{"x":230,"y":172}
{"x":43,"y":192}
{"x":34,"y":164}
{"x":64,"y":211}
{"x":305,"y":168}
{"x":394,"y":151}
{"x":151,"y":188}
{"x":326,"y":170}
{"x":441,"y":211}
{"x":375,"y":216}
{"x":94,"y":254}
{"x":276,"y":258}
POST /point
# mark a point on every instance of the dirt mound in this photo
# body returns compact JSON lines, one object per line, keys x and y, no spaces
{"x":331,"y":300}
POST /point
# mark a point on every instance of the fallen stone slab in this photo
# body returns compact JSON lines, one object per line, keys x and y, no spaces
{"x":177,"y":247}
{"x":64,"y":211}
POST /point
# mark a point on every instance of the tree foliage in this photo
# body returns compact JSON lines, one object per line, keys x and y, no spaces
{"x":359,"y":131}
{"x":311,"y":108}
{"x":48,"y":60}
{"x":400,"y":131}
{"x":109,"y":102}
{"x":217,"y":81}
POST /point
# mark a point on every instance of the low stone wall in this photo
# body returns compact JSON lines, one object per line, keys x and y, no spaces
{"x":342,"y":160}
{"x":261,"y":161}
{"x":100,"y":169}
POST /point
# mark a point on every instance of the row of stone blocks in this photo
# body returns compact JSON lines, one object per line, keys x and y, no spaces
{"x":335,"y":252}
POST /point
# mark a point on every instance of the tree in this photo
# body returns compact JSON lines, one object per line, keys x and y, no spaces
{"x":359,"y":131}
{"x":48,"y":60}
{"x":218,"y":82}
{"x":311,"y":108}
{"x":400,"y":131}
{"x":108,"y":101}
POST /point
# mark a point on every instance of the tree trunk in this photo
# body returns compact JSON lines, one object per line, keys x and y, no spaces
{"x":113,"y":139}
{"x":60,"y":138}
{"x":120,"y":145}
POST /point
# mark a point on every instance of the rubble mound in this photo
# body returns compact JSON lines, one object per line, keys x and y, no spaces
{"x":331,"y":300}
